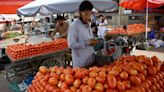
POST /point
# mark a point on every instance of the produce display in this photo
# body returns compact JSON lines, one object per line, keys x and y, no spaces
{"x":131,"y":29}
{"x":127,"y":74}
{"x":21,"y":51}
{"x":8,"y":35}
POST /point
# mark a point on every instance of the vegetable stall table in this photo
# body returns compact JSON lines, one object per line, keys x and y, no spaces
{"x":26,"y":58}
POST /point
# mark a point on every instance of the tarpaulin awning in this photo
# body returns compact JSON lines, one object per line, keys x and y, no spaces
{"x":141,"y":4}
{"x":10,"y":6}
{"x":46,"y":7}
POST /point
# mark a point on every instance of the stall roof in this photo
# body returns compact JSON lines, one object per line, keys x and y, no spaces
{"x":46,"y":7}
{"x":10,"y":6}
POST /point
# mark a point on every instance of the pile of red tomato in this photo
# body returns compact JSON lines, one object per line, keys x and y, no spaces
{"x":127,"y":74}
{"x":21,"y":51}
{"x":131,"y":29}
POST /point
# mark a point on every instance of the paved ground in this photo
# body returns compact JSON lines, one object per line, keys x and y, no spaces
{"x":4,"y":85}
{"x":160,"y":55}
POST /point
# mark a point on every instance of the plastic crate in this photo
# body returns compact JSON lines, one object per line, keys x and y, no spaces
{"x":101,"y":60}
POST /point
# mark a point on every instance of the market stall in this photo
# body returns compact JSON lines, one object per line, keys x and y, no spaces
{"x":134,"y":33}
{"x":141,"y":5}
{"x":26,"y":58}
{"x":127,"y":74}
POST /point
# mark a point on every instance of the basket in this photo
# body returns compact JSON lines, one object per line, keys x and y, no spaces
{"x":101,"y":60}
{"x":16,"y":40}
{"x":118,"y":50}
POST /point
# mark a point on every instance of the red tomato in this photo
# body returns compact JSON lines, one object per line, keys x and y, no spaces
{"x":85,"y":79}
{"x":144,"y":72}
{"x":93,"y":74}
{"x":120,"y":86}
{"x":91,"y":82}
{"x":59,"y":84}
{"x":153,"y":88}
{"x":153,"y":80}
{"x":160,"y":75}
{"x":53,"y":81}
{"x":81,"y":86}
{"x":126,"y":84}
{"x":79,"y":74}
{"x":106,"y":86}
{"x":152,"y":70}
{"x":113,"y":72}
{"x":111,"y":90}
{"x":148,"y":62}
{"x":43,"y":69}
{"x":99,"y":87}
{"x":95,"y":69}
{"x":62,"y":77}
{"x":64,"y":86}
{"x":73,"y":88}
{"x":132,"y":72}
{"x":102,"y":74}
{"x":69,"y":79}
{"x":68,"y":90}
{"x":68,"y":71}
{"x":95,"y":91}
{"x":77,"y":83}
{"x":145,"y":85}
{"x":141,"y":76}
{"x":111,"y":80}
{"x":124,"y":75}
{"x":87,"y":88}
{"x":79,"y":90}
{"x":100,"y":79}
{"x":57,"y":90}
{"x":148,"y":81}
{"x":135,"y":80}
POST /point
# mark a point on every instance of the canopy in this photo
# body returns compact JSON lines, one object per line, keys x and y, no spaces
{"x":10,"y":6}
{"x":61,"y":6}
{"x":141,"y":4}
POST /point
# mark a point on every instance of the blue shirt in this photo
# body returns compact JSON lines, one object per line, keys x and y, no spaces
{"x":78,"y":40}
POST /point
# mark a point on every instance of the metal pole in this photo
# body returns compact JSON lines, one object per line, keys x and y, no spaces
{"x":119,"y":14}
{"x":146,"y":19}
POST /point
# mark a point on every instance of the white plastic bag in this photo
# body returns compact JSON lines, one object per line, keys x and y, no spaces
{"x":57,"y":35}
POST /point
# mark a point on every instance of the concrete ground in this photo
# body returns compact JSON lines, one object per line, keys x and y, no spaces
{"x":4,"y":85}
{"x":159,"y":52}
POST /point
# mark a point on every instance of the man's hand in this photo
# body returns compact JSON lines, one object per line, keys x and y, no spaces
{"x":93,"y":42}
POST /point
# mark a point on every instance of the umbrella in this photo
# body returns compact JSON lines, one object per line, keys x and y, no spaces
{"x":10,"y":6}
{"x":62,"y":6}
{"x":141,"y":5}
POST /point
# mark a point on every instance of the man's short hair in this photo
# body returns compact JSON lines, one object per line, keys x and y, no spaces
{"x":100,"y":16}
{"x":85,"y":5}
{"x":60,"y":18}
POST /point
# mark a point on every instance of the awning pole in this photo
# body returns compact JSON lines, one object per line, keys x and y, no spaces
{"x":146,"y":20}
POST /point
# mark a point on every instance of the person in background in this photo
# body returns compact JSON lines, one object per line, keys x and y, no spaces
{"x":14,"y":25}
{"x":27,"y":31}
{"x":46,"y":25}
{"x":80,"y":37}
{"x":7,"y":26}
{"x":101,"y":23}
{"x":61,"y":27}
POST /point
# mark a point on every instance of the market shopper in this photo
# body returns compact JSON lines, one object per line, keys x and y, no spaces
{"x":101,"y":23}
{"x":7,"y":26}
{"x":61,"y":27}
{"x":80,"y":37}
